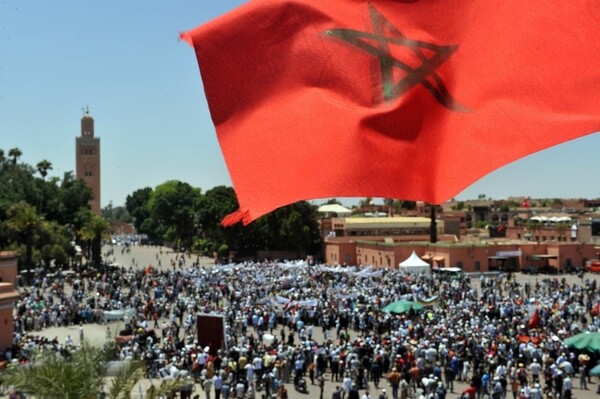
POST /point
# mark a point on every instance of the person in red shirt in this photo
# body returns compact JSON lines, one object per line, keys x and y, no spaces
{"x":470,"y":391}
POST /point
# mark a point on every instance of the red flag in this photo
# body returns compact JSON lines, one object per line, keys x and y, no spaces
{"x":413,"y":100}
{"x":534,"y":320}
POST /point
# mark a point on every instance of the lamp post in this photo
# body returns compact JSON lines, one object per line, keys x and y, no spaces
{"x":432,"y":225}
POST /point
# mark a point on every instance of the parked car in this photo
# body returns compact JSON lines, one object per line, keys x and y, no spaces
{"x":530,"y":270}
{"x":573,"y":269}
{"x":592,"y":266}
{"x":548,"y":270}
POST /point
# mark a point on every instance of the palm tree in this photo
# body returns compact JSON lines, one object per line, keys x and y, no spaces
{"x":15,"y":153}
{"x":25,"y":221}
{"x":367,"y":201}
{"x":95,"y":230}
{"x":80,"y":375}
{"x":43,"y":167}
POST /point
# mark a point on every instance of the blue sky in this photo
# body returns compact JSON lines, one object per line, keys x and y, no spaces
{"x":123,"y":59}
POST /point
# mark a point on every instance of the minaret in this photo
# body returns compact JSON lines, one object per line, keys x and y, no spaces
{"x":87,"y":150}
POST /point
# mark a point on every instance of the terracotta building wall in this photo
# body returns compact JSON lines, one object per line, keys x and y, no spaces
{"x":8,"y":267}
{"x":472,"y":258}
{"x":8,"y":296}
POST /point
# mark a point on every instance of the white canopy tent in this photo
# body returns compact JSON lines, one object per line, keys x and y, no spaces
{"x":414,"y":264}
{"x":552,"y":219}
{"x":334,"y":208}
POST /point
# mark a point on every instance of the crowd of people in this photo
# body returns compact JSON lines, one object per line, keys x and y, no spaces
{"x":309,"y":325}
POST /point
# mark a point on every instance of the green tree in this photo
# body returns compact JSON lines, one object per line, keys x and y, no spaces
{"x":393,"y":204}
{"x":172,"y":206}
{"x":367,"y":201}
{"x":67,"y":201}
{"x":57,"y":201}
{"x":294,"y":227}
{"x":215,"y":204}
{"x":25,"y":222}
{"x":94,"y":231}
{"x":55,"y":244}
{"x":517,"y":220}
{"x":116,"y":213}
{"x":17,"y":183}
{"x":223,"y":251}
{"x":80,"y":375}
{"x":332,"y":201}
{"x":212,"y":207}
{"x":43,"y":167}
{"x":512,"y":204}
{"x":15,"y":154}
{"x":460,"y":205}
{"x":481,"y":224}
{"x":399,"y":205}
{"x":137,"y":206}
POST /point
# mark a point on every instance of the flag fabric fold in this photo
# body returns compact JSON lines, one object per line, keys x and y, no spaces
{"x":398,"y":99}
{"x":431,"y":301}
{"x":534,"y":320}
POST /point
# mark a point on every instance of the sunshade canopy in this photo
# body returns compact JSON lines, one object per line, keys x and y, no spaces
{"x":402,"y":306}
{"x":584,"y":341}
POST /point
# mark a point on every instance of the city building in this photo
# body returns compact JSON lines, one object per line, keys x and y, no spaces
{"x":87,"y":159}
{"x":471,"y":257}
{"x":8,"y":296}
{"x":8,"y":267}
{"x":475,"y":236}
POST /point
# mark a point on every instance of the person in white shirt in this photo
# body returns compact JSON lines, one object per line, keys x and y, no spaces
{"x":249,"y":373}
{"x":257,"y":363}
{"x":239,"y":390}
{"x":567,"y":387}
{"x":218,"y":384}
{"x":207,"y":385}
{"x":501,"y":371}
{"x":346,"y":385}
{"x":535,"y":368}
{"x":201,"y":359}
{"x":298,"y":369}
{"x":536,"y":392}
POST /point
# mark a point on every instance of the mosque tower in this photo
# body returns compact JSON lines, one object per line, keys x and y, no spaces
{"x":87,"y":158}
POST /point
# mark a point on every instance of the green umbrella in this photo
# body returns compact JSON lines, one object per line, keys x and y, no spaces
{"x":402,"y":306}
{"x":584,"y":341}
{"x":595,"y":370}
